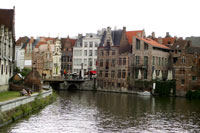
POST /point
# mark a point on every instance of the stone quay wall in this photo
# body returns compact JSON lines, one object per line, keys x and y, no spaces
{"x":13,"y":103}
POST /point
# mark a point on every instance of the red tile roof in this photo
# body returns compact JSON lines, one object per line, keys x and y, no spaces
{"x":167,"y":40}
{"x":39,"y":44}
{"x":153,"y":43}
{"x":130,"y":35}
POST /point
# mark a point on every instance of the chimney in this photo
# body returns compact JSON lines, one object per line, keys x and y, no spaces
{"x":160,"y":40}
{"x":167,"y":34}
{"x":124,"y":28}
{"x":139,"y":34}
{"x":80,"y":35}
{"x":153,"y":35}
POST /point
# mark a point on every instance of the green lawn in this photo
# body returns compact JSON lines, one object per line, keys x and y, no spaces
{"x":7,"y":95}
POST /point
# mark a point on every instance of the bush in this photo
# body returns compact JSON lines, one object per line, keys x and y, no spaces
{"x":193,"y":95}
{"x":163,"y":88}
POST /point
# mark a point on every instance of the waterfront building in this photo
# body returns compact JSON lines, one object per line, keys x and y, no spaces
{"x":85,"y":53}
{"x":186,"y":66}
{"x":114,"y":54}
{"x":67,"y":55}
{"x":43,"y":57}
{"x":57,"y":58}
{"x":7,"y":46}
{"x":148,"y":56}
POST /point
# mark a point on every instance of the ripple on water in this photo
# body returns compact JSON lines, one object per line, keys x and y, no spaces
{"x":110,"y":112}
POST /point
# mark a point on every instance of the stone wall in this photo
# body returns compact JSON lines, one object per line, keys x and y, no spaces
{"x":13,"y":103}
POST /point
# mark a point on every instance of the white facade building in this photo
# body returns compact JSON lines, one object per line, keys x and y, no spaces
{"x":19,"y":57}
{"x":85,"y":53}
{"x":57,"y":58}
{"x":6,"y":56}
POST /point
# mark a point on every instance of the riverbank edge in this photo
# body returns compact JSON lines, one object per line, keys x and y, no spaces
{"x":40,"y":101}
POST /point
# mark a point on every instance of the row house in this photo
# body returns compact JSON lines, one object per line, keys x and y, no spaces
{"x":149,"y":56}
{"x":28,"y":53}
{"x":114,"y":54}
{"x":7,"y":46}
{"x":47,"y":57}
{"x":85,"y":53}
{"x":67,"y":54}
{"x":57,"y":58}
{"x":186,"y":66}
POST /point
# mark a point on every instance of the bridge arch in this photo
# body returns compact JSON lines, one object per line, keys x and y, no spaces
{"x":72,"y":87}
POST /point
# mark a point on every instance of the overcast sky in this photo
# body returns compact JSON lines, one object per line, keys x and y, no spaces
{"x":71,"y":17}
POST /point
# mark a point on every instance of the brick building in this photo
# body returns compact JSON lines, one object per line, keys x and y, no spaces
{"x":186,"y":66}
{"x":113,"y":58}
{"x":67,"y":54}
{"x":148,"y":56}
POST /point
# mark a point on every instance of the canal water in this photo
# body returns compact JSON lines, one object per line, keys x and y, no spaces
{"x":86,"y":111}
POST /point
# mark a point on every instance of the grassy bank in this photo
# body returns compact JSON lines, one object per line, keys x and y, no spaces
{"x":26,"y":109}
{"x":7,"y":95}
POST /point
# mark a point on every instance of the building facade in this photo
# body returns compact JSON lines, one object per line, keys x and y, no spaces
{"x":85,"y":53}
{"x":186,"y":69}
{"x":114,"y":54}
{"x":7,"y":46}
{"x":67,"y":55}
{"x":57,"y":58}
{"x":149,"y":56}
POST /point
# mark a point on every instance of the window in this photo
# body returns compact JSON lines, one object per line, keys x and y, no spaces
{"x":119,"y":73}
{"x":123,"y":73}
{"x":137,"y":44}
{"x":100,"y":73}
{"x":182,"y":81}
{"x":96,"y":44}
{"x":145,"y":73}
{"x":145,"y":60}
{"x":107,"y":53}
{"x":90,"y":62}
{"x":107,"y":63}
{"x":101,"y":62}
{"x":162,"y":61}
{"x":85,"y":52}
{"x":106,"y":73}
{"x":85,"y":62}
{"x":159,"y":61}
{"x":183,"y":60}
{"x":124,"y":61}
{"x":120,"y":61}
{"x":85,"y":44}
{"x":113,"y":52}
{"x":146,"y":46}
{"x":194,"y":78}
{"x":118,"y":85}
{"x":112,"y":74}
{"x":153,"y":63}
{"x":91,"y":44}
{"x":113,"y":63}
{"x":90,"y":52}
{"x":137,"y":60}
{"x":101,"y":53}
{"x":95,"y":52}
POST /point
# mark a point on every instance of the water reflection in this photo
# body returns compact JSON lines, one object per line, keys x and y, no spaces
{"x":112,"y":112}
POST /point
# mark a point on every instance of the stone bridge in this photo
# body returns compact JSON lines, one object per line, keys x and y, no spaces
{"x":71,"y":84}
